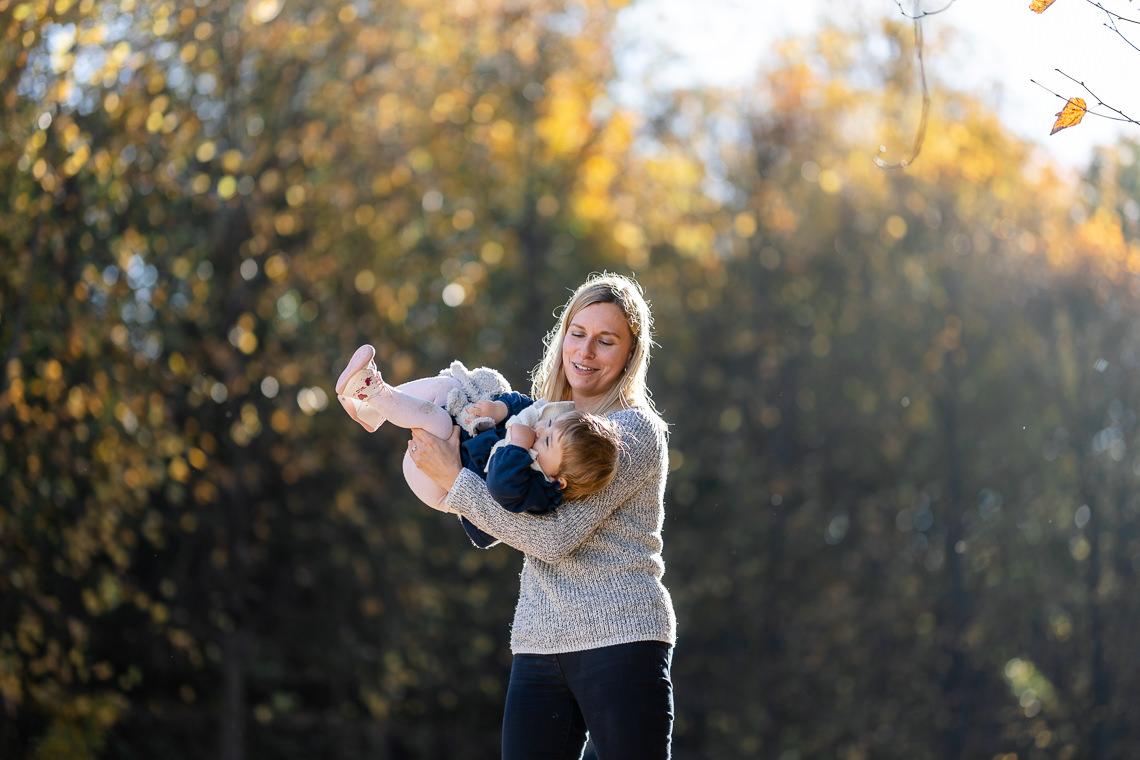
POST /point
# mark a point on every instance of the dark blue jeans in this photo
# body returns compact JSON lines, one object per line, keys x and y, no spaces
{"x":621,"y":694}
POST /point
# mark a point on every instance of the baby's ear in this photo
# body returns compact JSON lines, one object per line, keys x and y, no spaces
{"x":562,"y":483}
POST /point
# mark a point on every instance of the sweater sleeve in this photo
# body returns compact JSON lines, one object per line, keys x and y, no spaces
{"x":552,"y":536}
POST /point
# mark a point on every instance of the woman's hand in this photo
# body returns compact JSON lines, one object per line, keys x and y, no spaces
{"x":438,"y":458}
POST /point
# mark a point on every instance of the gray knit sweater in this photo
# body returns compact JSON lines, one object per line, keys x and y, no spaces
{"x":592,"y":573}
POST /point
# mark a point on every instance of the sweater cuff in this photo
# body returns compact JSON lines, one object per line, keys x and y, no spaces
{"x":463,"y":491}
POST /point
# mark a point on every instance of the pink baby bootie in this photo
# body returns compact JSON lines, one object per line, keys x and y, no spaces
{"x":360,"y":379}
{"x":359,"y":382}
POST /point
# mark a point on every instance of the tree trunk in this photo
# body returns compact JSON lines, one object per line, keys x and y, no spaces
{"x":956,"y":612}
{"x":232,"y":734}
{"x":1098,"y":734}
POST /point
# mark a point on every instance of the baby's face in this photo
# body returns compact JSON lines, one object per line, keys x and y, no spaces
{"x":548,"y":446}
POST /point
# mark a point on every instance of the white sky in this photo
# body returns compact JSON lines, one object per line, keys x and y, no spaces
{"x":1002,"y":45}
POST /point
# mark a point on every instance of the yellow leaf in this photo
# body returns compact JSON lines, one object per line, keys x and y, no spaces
{"x":1070,"y":115}
{"x":1039,"y":6}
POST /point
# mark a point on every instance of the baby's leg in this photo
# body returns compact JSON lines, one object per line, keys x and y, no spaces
{"x":423,"y":486}
{"x":433,"y":389}
{"x":411,"y":411}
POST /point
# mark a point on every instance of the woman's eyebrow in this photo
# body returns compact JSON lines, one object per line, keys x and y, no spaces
{"x":603,"y":332}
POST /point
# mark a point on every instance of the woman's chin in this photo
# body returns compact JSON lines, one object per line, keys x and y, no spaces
{"x":587,"y":387}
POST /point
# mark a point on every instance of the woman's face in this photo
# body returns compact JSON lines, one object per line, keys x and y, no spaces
{"x":595,"y":350}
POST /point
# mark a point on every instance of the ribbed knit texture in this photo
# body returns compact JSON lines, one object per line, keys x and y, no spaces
{"x":593,"y":567}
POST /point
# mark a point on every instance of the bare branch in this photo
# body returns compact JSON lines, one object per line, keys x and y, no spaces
{"x":1114,"y":17}
{"x":920,"y":134}
{"x":1112,"y":25}
{"x":1088,"y":111}
{"x":1099,"y":102}
{"x":1111,"y":14}
{"x":923,"y":14}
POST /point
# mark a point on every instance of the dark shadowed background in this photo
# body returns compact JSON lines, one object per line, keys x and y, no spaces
{"x":902,"y":517}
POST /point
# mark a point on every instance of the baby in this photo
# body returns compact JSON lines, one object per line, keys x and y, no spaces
{"x":544,"y":454}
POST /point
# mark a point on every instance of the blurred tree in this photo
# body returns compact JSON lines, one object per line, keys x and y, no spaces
{"x":899,"y":514}
{"x":221,"y":186}
{"x":892,"y":421}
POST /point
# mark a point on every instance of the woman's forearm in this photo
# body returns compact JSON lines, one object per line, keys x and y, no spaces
{"x":552,"y":536}
{"x":549,"y":537}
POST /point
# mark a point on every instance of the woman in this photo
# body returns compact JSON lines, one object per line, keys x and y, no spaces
{"x":594,"y":628}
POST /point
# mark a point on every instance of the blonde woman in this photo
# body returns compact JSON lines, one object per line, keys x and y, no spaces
{"x":594,"y":627}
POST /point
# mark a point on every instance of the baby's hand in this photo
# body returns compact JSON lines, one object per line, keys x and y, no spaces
{"x":496,"y":410}
{"x":521,"y":435}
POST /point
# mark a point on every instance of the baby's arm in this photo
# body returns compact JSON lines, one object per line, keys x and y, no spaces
{"x":521,"y":435}
{"x":496,"y":410}
{"x":518,"y":487}
{"x":515,"y":402}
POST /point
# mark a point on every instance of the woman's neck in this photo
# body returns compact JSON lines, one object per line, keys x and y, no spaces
{"x":587,"y":404}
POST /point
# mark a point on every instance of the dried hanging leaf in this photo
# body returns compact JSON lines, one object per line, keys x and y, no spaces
{"x":1070,"y":115}
{"x":1039,"y":6}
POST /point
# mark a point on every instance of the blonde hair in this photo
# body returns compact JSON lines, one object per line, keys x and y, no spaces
{"x":548,"y":380}
{"x":590,"y":447}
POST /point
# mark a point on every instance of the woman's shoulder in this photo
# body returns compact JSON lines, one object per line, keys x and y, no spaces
{"x":637,"y":415}
{"x":644,"y":426}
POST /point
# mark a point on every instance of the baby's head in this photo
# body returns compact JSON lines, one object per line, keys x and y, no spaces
{"x":580,"y":451}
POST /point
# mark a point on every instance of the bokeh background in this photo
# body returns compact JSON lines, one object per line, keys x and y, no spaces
{"x":902,"y":514}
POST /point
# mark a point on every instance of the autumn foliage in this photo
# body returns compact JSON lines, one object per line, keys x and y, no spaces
{"x":901,"y":516}
{"x":1070,"y":115}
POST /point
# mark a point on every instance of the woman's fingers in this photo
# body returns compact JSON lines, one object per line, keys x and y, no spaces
{"x":420,"y":435}
{"x":438,"y":458}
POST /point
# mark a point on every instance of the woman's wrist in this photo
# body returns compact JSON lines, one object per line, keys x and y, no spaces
{"x":447,"y":479}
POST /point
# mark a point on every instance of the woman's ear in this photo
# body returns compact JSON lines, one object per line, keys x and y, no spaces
{"x":562,"y":483}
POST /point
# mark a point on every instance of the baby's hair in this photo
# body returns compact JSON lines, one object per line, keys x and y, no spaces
{"x":590,"y":445}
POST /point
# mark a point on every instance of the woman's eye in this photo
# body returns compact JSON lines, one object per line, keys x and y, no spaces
{"x":605,"y":343}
